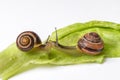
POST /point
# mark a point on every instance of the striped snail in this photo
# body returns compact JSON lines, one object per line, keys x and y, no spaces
{"x":90,"y":43}
{"x":28,"y":40}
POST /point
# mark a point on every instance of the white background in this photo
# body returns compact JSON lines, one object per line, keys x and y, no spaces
{"x":42,"y":16}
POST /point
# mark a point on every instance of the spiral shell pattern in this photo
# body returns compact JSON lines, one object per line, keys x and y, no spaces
{"x":91,"y":43}
{"x":27,"y":40}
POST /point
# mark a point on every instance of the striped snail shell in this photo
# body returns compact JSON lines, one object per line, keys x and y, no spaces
{"x":91,"y":43}
{"x":27,"y":40}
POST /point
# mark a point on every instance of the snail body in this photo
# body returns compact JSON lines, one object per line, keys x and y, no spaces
{"x":91,"y":43}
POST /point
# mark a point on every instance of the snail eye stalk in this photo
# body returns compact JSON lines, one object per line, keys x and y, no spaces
{"x":56,"y":36}
{"x":47,"y":39}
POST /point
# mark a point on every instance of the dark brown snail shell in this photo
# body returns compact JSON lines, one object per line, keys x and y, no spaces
{"x":91,"y":43}
{"x":27,"y":40}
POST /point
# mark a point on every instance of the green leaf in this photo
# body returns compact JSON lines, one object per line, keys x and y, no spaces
{"x":109,"y":32}
{"x":13,"y":61}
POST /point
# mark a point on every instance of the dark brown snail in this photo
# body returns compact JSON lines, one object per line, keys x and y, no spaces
{"x":27,"y":40}
{"x":91,"y":43}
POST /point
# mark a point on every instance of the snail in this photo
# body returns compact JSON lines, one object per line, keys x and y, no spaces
{"x":28,"y":40}
{"x":91,"y":43}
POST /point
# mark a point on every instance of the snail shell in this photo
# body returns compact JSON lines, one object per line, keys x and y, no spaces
{"x":91,"y":43}
{"x":27,"y":40}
